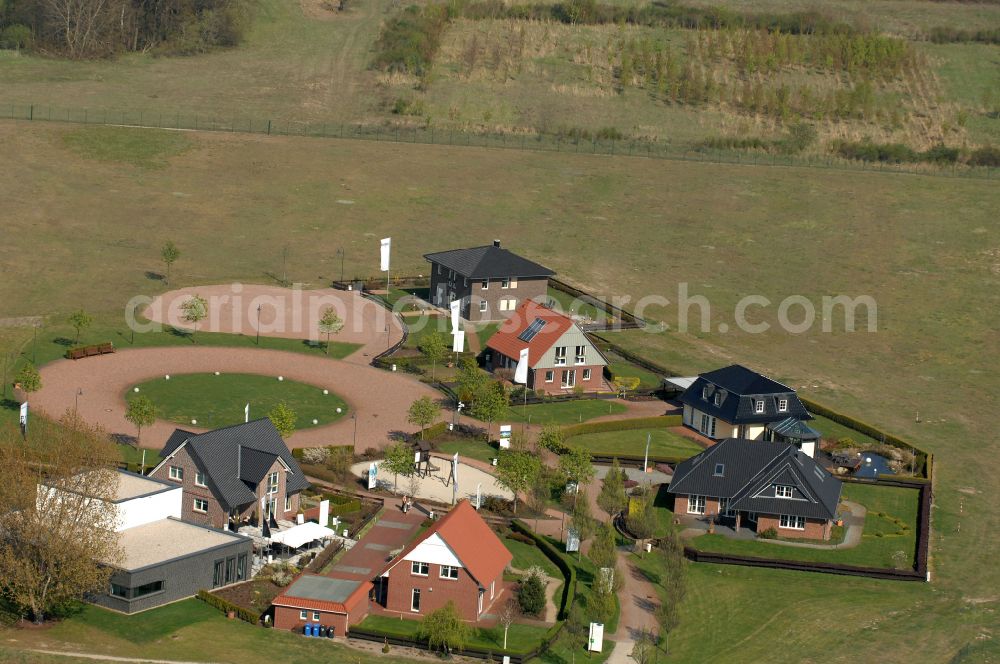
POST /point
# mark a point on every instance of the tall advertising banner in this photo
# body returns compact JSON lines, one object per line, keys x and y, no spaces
{"x":24,"y":419}
{"x":386,"y":245}
{"x":458,"y":341}
{"x":521,"y":372}
{"x":455,"y":311}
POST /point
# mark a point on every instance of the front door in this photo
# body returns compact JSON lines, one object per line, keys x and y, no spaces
{"x":569,"y":378}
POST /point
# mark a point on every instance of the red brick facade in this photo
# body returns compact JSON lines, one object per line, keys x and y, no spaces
{"x":435,"y":591}
{"x":216,"y":515}
{"x":817,"y":529}
{"x":291,"y":618}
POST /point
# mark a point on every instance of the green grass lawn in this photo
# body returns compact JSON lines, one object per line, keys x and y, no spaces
{"x":520,"y":638}
{"x":621,"y":367}
{"x":883,"y":535}
{"x":218,"y":401}
{"x":833,"y":431}
{"x":139,"y":147}
{"x":475,"y":449}
{"x":529,"y":555}
{"x":662,"y":443}
{"x":571,"y":306}
{"x":565,"y":412}
{"x":134,"y":455}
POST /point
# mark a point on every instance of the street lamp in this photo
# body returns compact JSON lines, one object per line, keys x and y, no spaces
{"x":340,"y":254}
{"x":259,"y":307}
{"x":76,"y":399}
{"x":458,"y":409}
{"x":354,"y":416}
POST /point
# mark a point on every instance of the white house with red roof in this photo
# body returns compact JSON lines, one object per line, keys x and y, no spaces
{"x":560,"y":356}
{"x":459,"y":559}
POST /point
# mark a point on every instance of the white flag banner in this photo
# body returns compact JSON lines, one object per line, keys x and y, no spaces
{"x":455,"y":312}
{"x":521,"y":372}
{"x":246,"y":413}
{"x":454,"y":467}
{"x":458,"y":341}
{"x":386,"y":245}
{"x":24,"y":419}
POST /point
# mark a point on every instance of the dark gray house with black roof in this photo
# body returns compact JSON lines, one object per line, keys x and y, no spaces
{"x":234,"y":475}
{"x":763,"y":484}
{"x":491,"y":282}
{"x":736,"y":402}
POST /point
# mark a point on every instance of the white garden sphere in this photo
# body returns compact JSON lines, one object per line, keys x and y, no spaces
{"x":135,"y":389}
{"x":281,"y":378}
{"x":167,"y":376}
{"x":315,"y":421}
{"x":216,"y":373}
{"x":194,"y":421}
{"x":338,"y":410}
{"x":326,"y":391}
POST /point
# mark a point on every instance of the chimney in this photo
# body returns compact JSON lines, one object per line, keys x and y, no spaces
{"x":496,"y":243}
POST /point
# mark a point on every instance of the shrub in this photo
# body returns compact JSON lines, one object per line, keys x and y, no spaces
{"x":226,"y":606}
{"x":409,"y":41}
{"x":521,"y":537}
{"x":893,"y":153}
{"x":769,"y":533}
{"x":985,"y":156}
{"x":941,"y":154}
{"x":316,"y":455}
{"x":16,"y":36}
{"x":531,"y":595}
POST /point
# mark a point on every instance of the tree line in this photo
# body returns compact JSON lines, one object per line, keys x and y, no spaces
{"x":102,"y":28}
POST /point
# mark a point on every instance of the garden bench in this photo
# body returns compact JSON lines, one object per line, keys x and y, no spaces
{"x":88,"y":351}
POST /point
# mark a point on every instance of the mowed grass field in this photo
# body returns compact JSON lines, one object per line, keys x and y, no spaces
{"x":81,"y":231}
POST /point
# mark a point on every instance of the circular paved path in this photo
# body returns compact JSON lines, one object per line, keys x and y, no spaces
{"x":289,"y":313}
{"x":378,"y":398}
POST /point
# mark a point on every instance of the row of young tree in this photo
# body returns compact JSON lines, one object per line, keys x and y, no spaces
{"x":100,"y":28}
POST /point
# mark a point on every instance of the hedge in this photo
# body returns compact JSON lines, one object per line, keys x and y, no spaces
{"x":556,"y":556}
{"x":226,"y":606}
{"x":353,"y":505}
{"x":433,"y":431}
{"x":659,"y":422}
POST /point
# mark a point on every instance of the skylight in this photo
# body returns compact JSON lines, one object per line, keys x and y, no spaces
{"x":533,"y":329}
{"x":720,"y":470}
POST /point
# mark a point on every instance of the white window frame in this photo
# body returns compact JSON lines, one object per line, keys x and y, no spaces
{"x":316,"y":615}
{"x":199,"y":478}
{"x":696,"y":504}
{"x":483,"y":306}
{"x":273,"y":481}
{"x":450,"y":569}
{"x":177,"y":473}
{"x":758,"y":406}
{"x":288,"y":503}
{"x":486,"y":284}
{"x":704,"y":393}
{"x":581,"y":354}
{"x":724,"y":507}
{"x":586,"y":375}
{"x":782,"y":405}
{"x":560,"y":356}
{"x":416,"y":565}
{"x":568,"y":379}
{"x":511,"y":303}
{"x":505,"y":283}
{"x":717,"y":398}
{"x":415,"y":595}
{"x":303,"y":615}
{"x":790,"y":522}
{"x":719,"y":470}
{"x":194,"y":506}
{"x":783,"y":491}
{"x":550,"y":376}
{"x":513,"y":282}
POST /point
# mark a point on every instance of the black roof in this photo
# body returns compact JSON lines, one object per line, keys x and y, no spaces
{"x":236,"y":458}
{"x":750,"y":471}
{"x":488,"y":262}
{"x":738,"y":388}
{"x":791,"y":427}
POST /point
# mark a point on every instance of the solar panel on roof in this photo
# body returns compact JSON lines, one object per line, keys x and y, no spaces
{"x":533,"y":329}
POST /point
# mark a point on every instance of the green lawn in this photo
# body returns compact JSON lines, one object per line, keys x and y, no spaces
{"x":663,"y":442}
{"x":620,"y":367}
{"x":475,"y":449}
{"x":890,"y":527}
{"x":218,"y":401}
{"x":529,"y":555}
{"x":187,"y":630}
{"x":139,"y":147}
{"x":134,"y":455}
{"x":571,"y":306}
{"x":833,"y":431}
{"x":520,"y":638}
{"x":565,"y":412}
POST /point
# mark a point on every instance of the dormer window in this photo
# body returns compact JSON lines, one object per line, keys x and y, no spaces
{"x":758,"y":406}
{"x":718,"y":398}
{"x":706,"y":392}
{"x":782,"y":405}
{"x":782,"y":491}
{"x":720,"y":470}
{"x":486,"y":284}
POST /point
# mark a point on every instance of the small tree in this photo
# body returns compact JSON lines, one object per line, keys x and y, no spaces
{"x":575,"y":466}
{"x":516,"y":471}
{"x":643,"y":647}
{"x":612,"y":498}
{"x":195,"y":310}
{"x":603,"y":551}
{"x":583,"y":523}
{"x":283,"y":418}
{"x":641,"y":520}
{"x":471,"y":380}
{"x":422,"y":413}
{"x":531,"y":595}
{"x":80,"y":320}
{"x":445,"y":629}
{"x":625,"y":384}
{"x":141,"y":412}
{"x":29,"y":379}
{"x":491,"y":404}
{"x":169,"y":253}
{"x":330,"y":323}
{"x":552,"y":438}
{"x":434,"y":347}
{"x":508,"y":614}
{"x":398,"y":461}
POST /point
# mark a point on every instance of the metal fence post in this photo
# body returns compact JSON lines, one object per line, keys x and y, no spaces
{"x":268,"y":127}
{"x":31,"y":112}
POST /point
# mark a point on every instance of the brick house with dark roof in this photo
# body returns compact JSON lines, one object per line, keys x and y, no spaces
{"x":459,"y":558}
{"x":736,"y":402}
{"x":233,"y":473}
{"x":560,"y":356}
{"x":758,"y":484}
{"x":491,"y":282}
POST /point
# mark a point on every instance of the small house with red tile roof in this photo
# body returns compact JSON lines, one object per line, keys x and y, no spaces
{"x":322,"y":600}
{"x":459,"y":558}
{"x":560,"y":356}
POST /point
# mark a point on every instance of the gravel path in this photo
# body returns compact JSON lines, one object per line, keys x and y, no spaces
{"x":378,"y":398}
{"x":289,"y":313}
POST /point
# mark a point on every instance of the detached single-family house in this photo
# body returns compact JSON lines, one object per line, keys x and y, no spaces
{"x":322,"y":600}
{"x":232,"y":474}
{"x":736,"y":402}
{"x":760,"y":485}
{"x":560,"y":356}
{"x":459,"y":558}
{"x":491,"y":282}
{"x":163,"y":559}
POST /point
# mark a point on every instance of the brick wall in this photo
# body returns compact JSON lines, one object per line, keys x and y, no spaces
{"x":595,"y":384}
{"x":815,"y":528}
{"x":288,"y":618}
{"x":681,"y":505}
{"x":471,"y":293}
{"x":435,"y":592}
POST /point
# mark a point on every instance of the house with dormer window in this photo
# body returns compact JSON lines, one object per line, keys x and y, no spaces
{"x":736,"y":402}
{"x":458,"y":559}
{"x":758,"y":485}
{"x":233,"y":474}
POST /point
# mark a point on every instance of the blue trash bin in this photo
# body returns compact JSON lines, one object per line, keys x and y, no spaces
{"x":307,"y":629}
